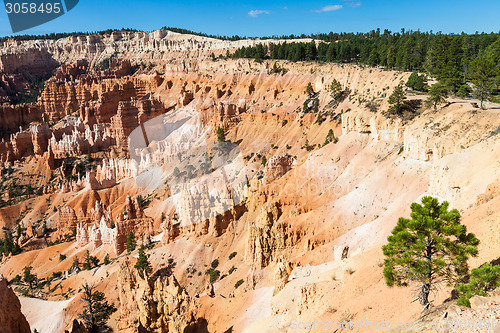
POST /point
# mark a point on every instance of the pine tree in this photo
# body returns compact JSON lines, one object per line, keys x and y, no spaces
{"x":484,"y":74}
{"x":397,"y":99}
{"x":391,"y":56}
{"x":429,"y":249}
{"x":417,"y":82}
{"x":336,"y":90}
{"x":9,"y":246}
{"x":311,"y":51}
{"x":373,"y":59}
{"x":87,"y":261}
{"x":331,"y":53}
{"x":221,"y":136}
{"x":437,"y":94}
{"x":28,"y":277}
{"x":309,"y":89}
{"x":96,"y":310}
{"x":142,"y":265}
{"x":76,"y":264}
{"x":176,"y":173}
{"x":330,"y":137}
{"x":19,"y":231}
{"x":131,"y":243}
{"x":29,"y":190}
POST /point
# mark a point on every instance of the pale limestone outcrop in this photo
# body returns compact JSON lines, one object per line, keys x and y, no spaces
{"x":96,"y":235}
{"x":153,"y":303}
{"x":116,"y":168}
{"x":378,"y":126}
{"x":96,"y":228}
{"x":281,"y":274}
{"x":267,"y":237}
{"x":82,"y":140}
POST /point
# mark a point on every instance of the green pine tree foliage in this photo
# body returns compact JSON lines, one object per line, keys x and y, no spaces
{"x":397,"y":99}
{"x":484,"y":77}
{"x":309,"y":89}
{"x":142,"y":265}
{"x":438,"y":94}
{"x":336,"y":90}
{"x":87,"y":261}
{"x":29,"y":277}
{"x":430,"y":248}
{"x":131,"y":242}
{"x":330,"y":137}
{"x":96,"y":311}
{"x":221,"y":136}
{"x":482,"y":280}
{"x":9,"y":245}
{"x":417,"y":82}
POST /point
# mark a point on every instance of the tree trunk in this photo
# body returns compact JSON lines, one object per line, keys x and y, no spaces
{"x":423,"y":296}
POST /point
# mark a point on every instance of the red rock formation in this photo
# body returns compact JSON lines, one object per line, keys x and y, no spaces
{"x":12,"y":117}
{"x":76,"y":327}
{"x":12,"y":319}
{"x":12,"y":85}
{"x":130,"y":115}
{"x":66,"y":221}
{"x":276,"y":167}
{"x":492,"y":191}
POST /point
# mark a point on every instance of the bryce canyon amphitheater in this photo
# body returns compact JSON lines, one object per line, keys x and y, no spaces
{"x":273,"y":226}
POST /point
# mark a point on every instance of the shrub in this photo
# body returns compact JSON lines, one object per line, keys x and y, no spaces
{"x":221,"y":136}
{"x":309,"y":89}
{"x":215,"y":263}
{"x":239,"y":283}
{"x":482,"y":280}
{"x":214,"y":275}
{"x":330,"y":137}
{"x":62,"y":257}
{"x":232,"y":255}
{"x":372,"y":106}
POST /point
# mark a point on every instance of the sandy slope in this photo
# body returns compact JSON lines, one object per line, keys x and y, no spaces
{"x":44,"y":316}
